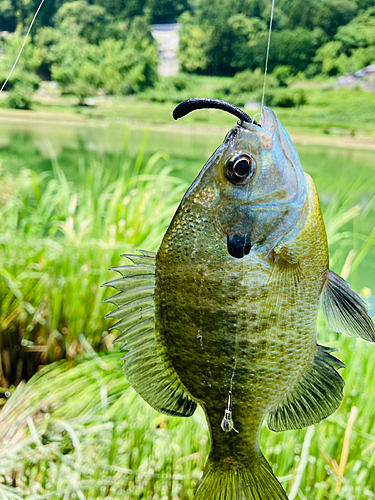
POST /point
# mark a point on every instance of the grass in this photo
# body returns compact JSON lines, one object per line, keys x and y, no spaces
{"x":80,"y":432}
{"x":77,"y":431}
{"x":57,"y":241}
{"x":58,"y":238}
{"x":328,"y":110}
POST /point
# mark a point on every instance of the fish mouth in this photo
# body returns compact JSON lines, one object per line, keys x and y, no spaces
{"x":238,"y":245}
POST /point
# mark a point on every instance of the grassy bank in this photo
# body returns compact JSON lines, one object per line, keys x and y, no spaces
{"x":77,"y":431}
{"x":327,"y":110}
{"x":57,"y":241}
{"x":58,"y":238}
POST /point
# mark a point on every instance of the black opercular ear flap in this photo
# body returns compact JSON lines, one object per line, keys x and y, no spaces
{"x":238,"y":245}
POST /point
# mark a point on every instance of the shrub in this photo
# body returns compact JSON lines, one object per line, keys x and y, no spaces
{"x":286,"y":98}
{"x":20,"y":97}
{"x":283,"y":75}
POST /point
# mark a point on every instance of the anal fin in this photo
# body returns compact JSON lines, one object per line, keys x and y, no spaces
{"x":315,"y":397}
{"x":147,"y":364}
{"x":345,"y":311}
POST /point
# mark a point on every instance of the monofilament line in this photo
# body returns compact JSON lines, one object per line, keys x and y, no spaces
{"x":24,"y":42}
{"x":268,"y":51}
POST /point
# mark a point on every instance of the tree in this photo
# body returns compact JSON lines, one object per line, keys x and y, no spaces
{"x":331,"y":14}
{"x":159,"y":11}
{"x":295,"y":48}
{"x":359,"y":33}
{"x":193,"y":45}
{"x":122,"y":9}
{"x":331,"y":58}
{"x":80,"y":19}
{"x":8,"y":20}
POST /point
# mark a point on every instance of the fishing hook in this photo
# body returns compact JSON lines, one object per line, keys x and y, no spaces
{"x":227,"y":422}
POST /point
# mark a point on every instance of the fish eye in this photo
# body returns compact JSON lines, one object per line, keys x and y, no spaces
{"x":241,"y":169}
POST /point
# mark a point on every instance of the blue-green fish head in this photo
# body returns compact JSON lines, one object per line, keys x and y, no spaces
{"x":253,"y":188}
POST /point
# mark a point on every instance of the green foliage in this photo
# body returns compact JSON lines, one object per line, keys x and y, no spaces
{"x":160,"y":11}
{"x":328,"y":15}
{"x":245,"y":31}
{"x":352,"y":49}
{"x":86,"y":52}
{"x":222,"y":47}
{"x":331,"y":58}
{"x":286,"y":98}
{"x":93,"y":437}
{"x":248,"y":86}
{"x":331,"y":14}
{"x":223,"y":37}
{"x":26,"y":67}
{"x":171,"y":89}
{"x":58,"y":240}
{"x":7,"y":16}
{"x":193,"y":46}
{"x":20,"y":97}
{"x":283,"y":75}
{"x":123,"y":9}
{"x":79,"y":19}
{"x":360,"y":58}
{"x":295,"y":48}
{"x":114,"y":66}
{"x":220,"y":37}
{"x":358,"y":33}
{"x":248,"y":81}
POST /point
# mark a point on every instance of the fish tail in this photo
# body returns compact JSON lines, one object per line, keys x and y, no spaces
{"x":231,"y":480}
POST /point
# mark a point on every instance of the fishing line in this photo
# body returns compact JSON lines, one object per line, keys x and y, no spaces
{"x":253,"y":120}
{"x":23,"y":45}
{"x":268,"y":51}
{"x":247,"y":191}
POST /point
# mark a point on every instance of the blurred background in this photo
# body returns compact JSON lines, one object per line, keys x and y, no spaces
{"x":92,"y":165}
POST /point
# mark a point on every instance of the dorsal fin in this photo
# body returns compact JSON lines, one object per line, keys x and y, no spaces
{"x":147,"y":364}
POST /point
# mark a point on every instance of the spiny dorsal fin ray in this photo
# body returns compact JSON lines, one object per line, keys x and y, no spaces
{"x":147,"y":364}
{"x":317,"y":395}
{"x":136,"y":329}
{"x":134,"y":269}
{"x":123,"y":284}
{"x":131,"y":295}
{"x":141,"y":259}
{"x":345,"y":311}
{"x":137,"y":341}
{"x":135,"y":332}
{"x":132,"y":306}
{"x":133,"y":318}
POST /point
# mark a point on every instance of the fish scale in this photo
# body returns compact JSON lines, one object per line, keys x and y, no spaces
{"x":225,"y":314}
{"x":243,"y":328}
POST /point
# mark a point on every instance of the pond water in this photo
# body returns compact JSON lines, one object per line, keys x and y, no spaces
{"x":335,"y":170}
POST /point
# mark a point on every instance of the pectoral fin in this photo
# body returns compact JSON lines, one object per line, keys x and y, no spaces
{"x":345,"y":311}
{"x":147,"y":364}
{"x":315,"y":397}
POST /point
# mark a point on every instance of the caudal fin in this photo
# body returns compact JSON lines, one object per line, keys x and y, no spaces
{"x":230,"y":480}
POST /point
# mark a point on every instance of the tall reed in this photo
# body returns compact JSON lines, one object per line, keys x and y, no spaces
{"x":57,"y":241}
{"x":77,"y":431}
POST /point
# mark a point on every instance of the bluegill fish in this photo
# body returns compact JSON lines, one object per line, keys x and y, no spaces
{"x":224,"y":314}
